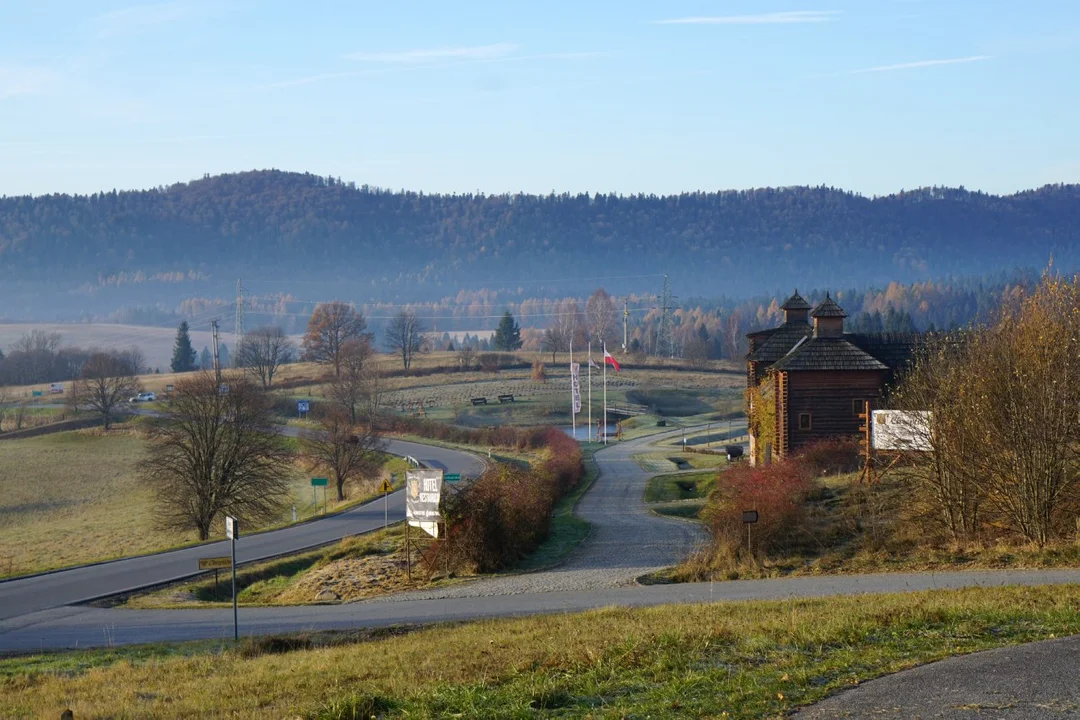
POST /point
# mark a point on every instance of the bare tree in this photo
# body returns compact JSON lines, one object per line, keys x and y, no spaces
{"x":218,"y":454}
{"x":405,"y":335}
{"x":107,"y":380}
{"x":135,"y":357}
{"x":566,"y":327}
{"x":467,"y":357}
{"x":3,"y":406}
{"x":356,"y":389}
{"x":600,"y":314}
{"x":37,"y":341}
{"x":346,"y":451}
{"x":733,"y":337}
{"x":264,"y":350}
{"x":331,"y":326}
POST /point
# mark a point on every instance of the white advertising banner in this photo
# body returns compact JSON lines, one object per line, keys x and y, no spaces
{"x":423,"y":490}
{"x":575,"y":386}
{"x":902,"y":430}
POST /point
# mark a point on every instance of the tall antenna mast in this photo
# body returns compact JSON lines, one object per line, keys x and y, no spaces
{"x":239,"y":313}
{"x":666,"y":342}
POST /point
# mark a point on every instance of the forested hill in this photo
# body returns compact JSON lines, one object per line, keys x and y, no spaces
{"x":735,"y":243}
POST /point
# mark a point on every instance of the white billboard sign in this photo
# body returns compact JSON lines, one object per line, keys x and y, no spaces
{"x":902,"y":430}
{"x":423,"y":490}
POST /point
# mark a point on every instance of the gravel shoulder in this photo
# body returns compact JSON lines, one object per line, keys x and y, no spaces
{"x":626,"y":542}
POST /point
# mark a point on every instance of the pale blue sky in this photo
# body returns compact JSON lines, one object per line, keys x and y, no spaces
{"x":869,"y":95}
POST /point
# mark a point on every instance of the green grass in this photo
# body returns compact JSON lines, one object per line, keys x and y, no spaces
{"x":737,"y":660}
{"x":568,"y":530}
{"x":686,"y":509}
{"x":688,"y":486}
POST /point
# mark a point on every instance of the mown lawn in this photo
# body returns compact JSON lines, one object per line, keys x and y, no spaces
{"x":737,"y":660}
{"x":687,"y":486}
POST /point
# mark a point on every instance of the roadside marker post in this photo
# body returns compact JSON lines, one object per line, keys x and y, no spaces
{"x":387,"y":487}
{"x":319,"y":482}
{"x":749,"y":517}
{"x":232,"y":531}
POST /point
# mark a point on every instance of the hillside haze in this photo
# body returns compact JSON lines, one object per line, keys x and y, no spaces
{"x":62,"y":256}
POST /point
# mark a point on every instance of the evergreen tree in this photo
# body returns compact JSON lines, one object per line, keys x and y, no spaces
{"x":183,"y":357}
{"x":508,"y":334}
{"x":223,"y":356}
{"x":206,"y":360}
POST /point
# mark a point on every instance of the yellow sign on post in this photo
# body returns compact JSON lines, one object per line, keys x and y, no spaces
{"x":386,"y":487}
{"x":215,"y":563}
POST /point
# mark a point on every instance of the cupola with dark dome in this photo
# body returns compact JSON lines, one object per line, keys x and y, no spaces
{"x":828,"y":319}
{"x":795,"y":309}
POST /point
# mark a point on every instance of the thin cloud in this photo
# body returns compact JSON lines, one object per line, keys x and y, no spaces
{"x":138,"y":19}
{"x":428,"y":55}
{"x":773,"y":18}
{"x":15,"y":81}
{"x":920,"y":64}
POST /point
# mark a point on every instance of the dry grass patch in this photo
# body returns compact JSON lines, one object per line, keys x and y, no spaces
{"x":742,"y":660}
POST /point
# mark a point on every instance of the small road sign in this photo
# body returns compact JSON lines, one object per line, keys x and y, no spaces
{"x":749,"y":516}
{"x":452,"y":477}
{"x":320,"y":482}
{"x":303,"y":406}
{"x":169,"y":388}
{"x":215,"y":563}
{"x":223,"y":389}
{"x":232,"y":528}
{"x":386,"y":487}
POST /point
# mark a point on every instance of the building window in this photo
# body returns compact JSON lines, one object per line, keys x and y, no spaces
{"x":857,"y":406}
{"x":804,"y":421}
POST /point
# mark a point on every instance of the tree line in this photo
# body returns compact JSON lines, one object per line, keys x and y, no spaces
{"x":735,"y":240}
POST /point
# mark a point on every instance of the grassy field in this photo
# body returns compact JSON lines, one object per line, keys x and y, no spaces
{"x":737,"y":660}
{"x":688,"y":486}
{"x":78,"y":497}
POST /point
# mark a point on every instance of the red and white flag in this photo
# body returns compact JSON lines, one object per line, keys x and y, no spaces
{"x":612,"y":361}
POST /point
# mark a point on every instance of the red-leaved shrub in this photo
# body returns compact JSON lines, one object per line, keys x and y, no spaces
{"x":777,"y":492}
{"x":506,"y":513}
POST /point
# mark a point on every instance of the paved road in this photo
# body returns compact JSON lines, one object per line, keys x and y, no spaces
{"x":626,"y":540}
{"x":65,"y":587}
{"x":1039,"y":680}
{"x":68,"y":627}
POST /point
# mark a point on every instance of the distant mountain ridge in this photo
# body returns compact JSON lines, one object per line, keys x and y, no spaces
{"x":732,"y":242}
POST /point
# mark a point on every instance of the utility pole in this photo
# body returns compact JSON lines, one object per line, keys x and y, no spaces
{"x":217,"y":358}
{"x":239,"y":332}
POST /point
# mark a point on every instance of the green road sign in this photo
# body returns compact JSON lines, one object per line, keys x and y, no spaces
{"x":452,"y":477}
{"x":36,"y":393}
{"x":319,"y":482}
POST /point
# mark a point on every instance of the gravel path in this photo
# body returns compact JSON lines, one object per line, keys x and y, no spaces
{"x":626,"y":540}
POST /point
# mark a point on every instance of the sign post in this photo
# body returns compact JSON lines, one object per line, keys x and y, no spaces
{"x":319,"y":482}
{"x":232,"y":531}
{"x":386,"y":488}
{"x":749,"y":517}
{"x":423,"y":490}
{"x":215,"y":564}
{"x":302,"y":408}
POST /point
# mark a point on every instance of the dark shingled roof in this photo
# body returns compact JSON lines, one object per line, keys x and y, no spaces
{"x":828,"y":354}
{"x":896,"y":350}
{"x":781,"y":341}
{"x":795,"y":302}
{"x":827,"y":308}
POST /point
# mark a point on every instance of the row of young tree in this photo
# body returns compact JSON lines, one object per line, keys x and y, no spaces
{"x":1004,"y":422}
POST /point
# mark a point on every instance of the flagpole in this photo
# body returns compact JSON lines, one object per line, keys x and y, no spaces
{"x":605,"y":393}
{"x":590,"y":390}
{"x":573,"y":415}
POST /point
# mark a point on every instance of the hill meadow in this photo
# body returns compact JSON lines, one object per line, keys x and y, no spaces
{"x":66,"y":257}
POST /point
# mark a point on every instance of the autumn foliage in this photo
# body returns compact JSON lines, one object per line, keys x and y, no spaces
{"x":506,"y":513}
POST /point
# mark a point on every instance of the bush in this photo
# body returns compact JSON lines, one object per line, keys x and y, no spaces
{"x":539,"y":374}
{"x":506,"y":513}
{"x":832,"y":457}
{"x":778,"y":493}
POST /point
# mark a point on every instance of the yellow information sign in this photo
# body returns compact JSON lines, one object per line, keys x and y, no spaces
{"x":215,"y":563}
{"x":386,"y":487}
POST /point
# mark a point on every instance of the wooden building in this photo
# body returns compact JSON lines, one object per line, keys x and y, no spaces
{"x":809,"y":382}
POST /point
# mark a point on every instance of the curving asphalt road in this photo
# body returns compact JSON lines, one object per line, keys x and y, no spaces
{"x":20,"y":596}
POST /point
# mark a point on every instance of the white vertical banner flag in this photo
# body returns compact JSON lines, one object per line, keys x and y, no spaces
{"x":575,"y":386}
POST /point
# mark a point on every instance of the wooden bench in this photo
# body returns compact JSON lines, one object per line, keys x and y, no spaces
{"x":506,"y":398}
{"x":479,"y":401}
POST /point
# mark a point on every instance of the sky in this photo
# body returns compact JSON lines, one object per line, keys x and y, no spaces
{"x":872,"y":96}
